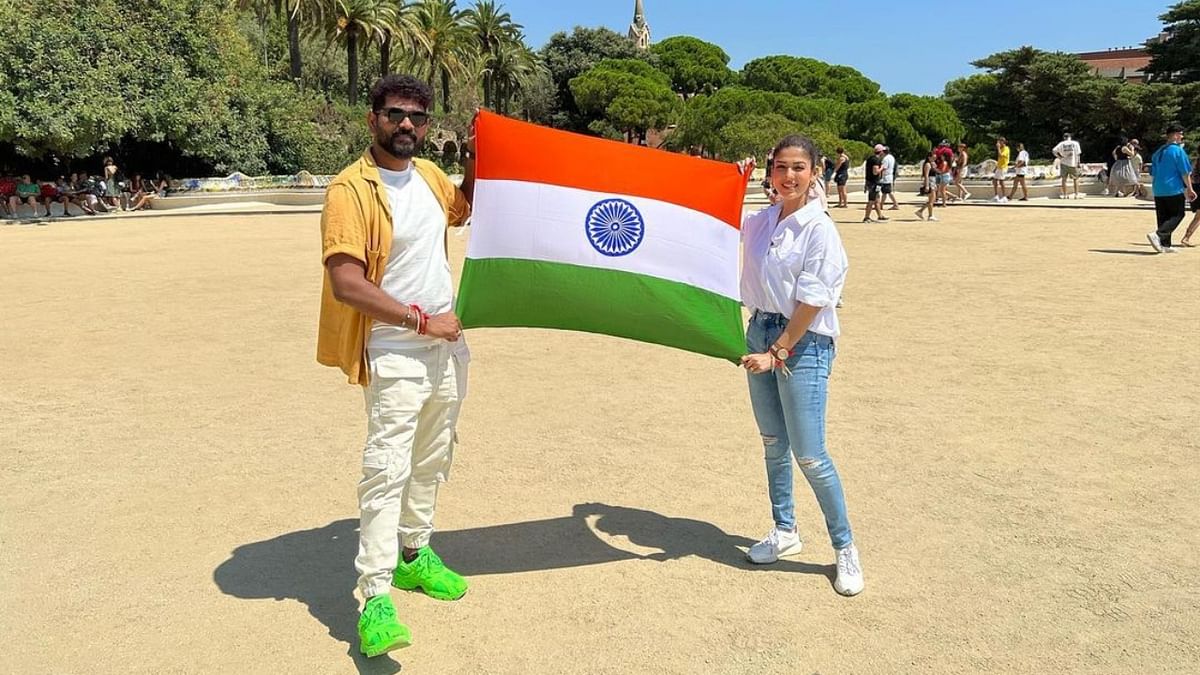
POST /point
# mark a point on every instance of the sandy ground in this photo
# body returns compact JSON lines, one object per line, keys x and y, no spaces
{"x":1013,"y":411}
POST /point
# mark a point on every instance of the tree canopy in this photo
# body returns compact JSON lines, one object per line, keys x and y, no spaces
{"x":801,"y":76}
{"x":694,"y":66}
{"x":1177,"y":59}
{"x":629,"y":95}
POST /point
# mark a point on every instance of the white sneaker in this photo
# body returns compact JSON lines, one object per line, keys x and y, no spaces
{"x":1154,"y":242}
{"x":932,"y":217}
{"x":777,"y":544}
{"x":1004,"y":200}
{"x":1170,"y":249}
{"x":996,"y":199}
{"x":1106,"y":193}
{"x":849,"y":572}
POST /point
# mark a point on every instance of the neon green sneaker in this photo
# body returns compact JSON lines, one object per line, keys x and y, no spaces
{"x":379,"y":631}
{"x":428,"y":573}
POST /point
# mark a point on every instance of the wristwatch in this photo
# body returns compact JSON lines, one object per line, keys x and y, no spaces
{"x":467,"y":154}
{"x":780,"y":353}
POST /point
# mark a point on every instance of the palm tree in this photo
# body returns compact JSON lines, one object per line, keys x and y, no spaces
{"x":492,"y":30}
{"x":403,"y":31}
{"x":356,"y":23}
{"x":512,"y":67}
{"x":297,"y":11}
{"x":446,"y":49}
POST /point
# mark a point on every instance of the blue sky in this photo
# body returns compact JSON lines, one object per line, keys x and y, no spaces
{"x":892,"y":42}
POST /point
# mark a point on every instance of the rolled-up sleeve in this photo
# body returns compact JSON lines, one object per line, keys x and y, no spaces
{"x":823,"y":271}
{"x":343,"y":229}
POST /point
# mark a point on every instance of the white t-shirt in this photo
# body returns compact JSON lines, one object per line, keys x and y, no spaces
{"x":417,"y":271}
{"x":1023,"y":162}
{"x":1068,"y":153}
{"x":800,"y":259}
{"x":888,"y":171}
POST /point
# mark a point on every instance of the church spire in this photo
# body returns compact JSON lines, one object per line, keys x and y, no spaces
{"x":639,"y":30}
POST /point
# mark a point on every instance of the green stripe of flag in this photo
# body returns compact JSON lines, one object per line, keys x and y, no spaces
{"x":503,"y":292}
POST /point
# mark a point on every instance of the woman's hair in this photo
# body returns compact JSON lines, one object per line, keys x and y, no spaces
{"x":840,"y":150}
{"x":805,"y":144}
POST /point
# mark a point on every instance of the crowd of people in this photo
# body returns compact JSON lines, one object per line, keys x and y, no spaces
{"x":108,"y":192}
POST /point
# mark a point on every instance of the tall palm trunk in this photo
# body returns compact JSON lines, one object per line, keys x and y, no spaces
{"x":385,"y":55}
{"x":445,"y":91}
{"x":294,"y":46}
{"x":352,"y":66}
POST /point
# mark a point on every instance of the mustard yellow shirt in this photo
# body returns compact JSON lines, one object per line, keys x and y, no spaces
{"x":1002,"y":158}
{"x":357,"y":221}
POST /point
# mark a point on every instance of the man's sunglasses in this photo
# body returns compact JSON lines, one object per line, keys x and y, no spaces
{"x":397,"y":115}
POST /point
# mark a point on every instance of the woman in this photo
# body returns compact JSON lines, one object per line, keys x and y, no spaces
{"x":793,"y":272}
{"x":1124,"y":177}
{"x":1022,"y":172}
{"x":112,"y":192}
{"x":841,"y":176}
{"x":926,"y":175}
{"x":961,"y":161}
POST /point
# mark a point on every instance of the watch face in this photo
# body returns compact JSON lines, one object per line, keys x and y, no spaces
{"x":781,"y":354}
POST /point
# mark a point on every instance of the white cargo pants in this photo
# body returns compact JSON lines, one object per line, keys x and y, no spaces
{"x":412,"y":402}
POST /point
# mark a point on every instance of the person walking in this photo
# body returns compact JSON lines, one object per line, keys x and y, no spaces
{"x":388,"y":323}
{"x":887,"y":179}
{"x":793,"y":273}
{"x":1002,"y":157}
{"x":841,"y":176}
{"x":1173,"y":188}
{"x":962,"y":160}
{"x":1195,"y":204}
{"x":1022,"y":170}
{"x":872,"y":169}
{"x":1069,"y":156}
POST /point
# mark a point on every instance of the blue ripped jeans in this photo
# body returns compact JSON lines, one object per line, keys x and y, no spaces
{"x":790,"y":412}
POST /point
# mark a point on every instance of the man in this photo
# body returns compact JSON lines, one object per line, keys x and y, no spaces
{"x":874,"y":167}
{"x":27,"y":192}
{"x":1002,"y":157}
{"x":62,"y":194}
{"x":1172,"y":188}
{"x":1069,"y":156}
{"x":1022,"y":172}
{"x":887,"y":179}
{"x":387,"y":322}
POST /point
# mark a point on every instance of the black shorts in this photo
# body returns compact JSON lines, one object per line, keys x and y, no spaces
{"x":1195,"y":204}
{"x":872,"y":191}
{"x":841,"y":179}
{"x":885,"y":188}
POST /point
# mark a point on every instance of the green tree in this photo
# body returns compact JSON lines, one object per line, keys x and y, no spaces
{"x":630,"y":95}
{"x":1177,"y":59}
{"x":704,"y":116}
{"x":1034,"y":96}
{"x":801,"y":76}
{"x":353,"y":23}
{"x":567,"y":56}
{"x":496,"y":37}
{"x":694,"y":66}
{"x":930,"y":116}
{"x":878,"y":122}
{"x":402,"y":31}
{"x":509,"y":70}
{"x":446,"y":50}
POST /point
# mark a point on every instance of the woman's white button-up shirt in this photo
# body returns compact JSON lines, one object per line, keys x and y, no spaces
{"x":797,"y":260}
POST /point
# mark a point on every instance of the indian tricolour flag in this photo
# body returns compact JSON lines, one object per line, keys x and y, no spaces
{"x":586,"y":234}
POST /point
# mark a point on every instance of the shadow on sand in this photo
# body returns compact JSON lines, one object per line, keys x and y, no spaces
{"x":316,"y":567}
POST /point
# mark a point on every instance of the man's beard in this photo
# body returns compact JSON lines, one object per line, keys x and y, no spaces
{"x":401,"y":145}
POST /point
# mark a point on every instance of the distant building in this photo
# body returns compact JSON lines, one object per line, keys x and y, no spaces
{"x":1126,"y":63}
{"x":639,"y":30}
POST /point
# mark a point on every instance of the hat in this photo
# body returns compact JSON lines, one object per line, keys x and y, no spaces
{"x":879,"y":147}
{"x":1174,"y":128}
{"x":944,"y":142}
